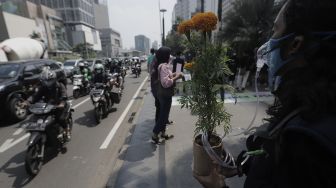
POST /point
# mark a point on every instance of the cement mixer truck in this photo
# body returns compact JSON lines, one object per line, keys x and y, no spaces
{"x":21,"y":62}
{"x":16,"y":49}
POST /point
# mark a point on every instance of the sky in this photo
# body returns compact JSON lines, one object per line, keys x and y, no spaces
{"x":134,"y":17}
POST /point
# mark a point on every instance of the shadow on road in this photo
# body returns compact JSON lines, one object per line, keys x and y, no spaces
{"x":15,"y":168}
{"x":88,"y":119}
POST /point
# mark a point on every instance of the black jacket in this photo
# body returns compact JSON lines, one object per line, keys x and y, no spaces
{"x":55,"y":95}
{"x":176,"y":61}
{"x":303,"y":156}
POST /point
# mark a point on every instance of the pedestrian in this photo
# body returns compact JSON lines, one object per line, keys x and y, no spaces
{"x":165,"y":92}
{"x":178,"y":66}
{"x":150,"y":59}
{"x":178,"y":62}
{"x":300,"y":141}
{"x":244,"y":71}
{"x":154,"y":81}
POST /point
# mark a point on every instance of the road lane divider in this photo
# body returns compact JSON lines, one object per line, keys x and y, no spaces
{"x":9,"y":143}
{"x":116,"y":126}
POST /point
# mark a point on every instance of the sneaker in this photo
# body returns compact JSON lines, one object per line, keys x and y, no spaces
{"x":166,"y":136}
{"x":170,"y":122}
{"x":155,"y":139}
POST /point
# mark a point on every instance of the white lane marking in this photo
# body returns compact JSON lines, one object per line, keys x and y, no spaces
{"x":20,"y":130}
{"x":9,"y":143}
{"x":81,"y":103}
{"x":121,"y":118}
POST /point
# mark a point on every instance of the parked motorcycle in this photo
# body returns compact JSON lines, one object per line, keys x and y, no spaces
{"x":100,"y":101}
{"x":45,"y":132}
{"x":79,"y":87}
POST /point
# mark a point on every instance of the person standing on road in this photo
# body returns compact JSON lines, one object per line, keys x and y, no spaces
{"x":150,"y":59}
{"x":178,"y":62}
{"x":165,"y":92}
{"x":300,"y":141}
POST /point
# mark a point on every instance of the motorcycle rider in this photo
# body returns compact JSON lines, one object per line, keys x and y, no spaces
{"x":53,"y":92}
{"x":115,"y":67}
{"x":85,"y":72}
{"x":101,"y":77}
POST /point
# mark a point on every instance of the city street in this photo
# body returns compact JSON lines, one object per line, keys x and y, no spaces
{"x":91,"y":153}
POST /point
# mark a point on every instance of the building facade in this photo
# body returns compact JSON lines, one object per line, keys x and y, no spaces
{"x":142,"y":43}
{"x":111,"y":43}
{"x":37,"y":20}
{"x":79,"y":19}
{"x":110,"y":38}
{"x":184,"y":10}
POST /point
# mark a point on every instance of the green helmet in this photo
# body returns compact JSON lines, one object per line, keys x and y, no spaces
{"x":99,"y":68}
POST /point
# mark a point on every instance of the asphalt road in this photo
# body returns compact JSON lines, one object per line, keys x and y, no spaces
{"x":91,"y":153}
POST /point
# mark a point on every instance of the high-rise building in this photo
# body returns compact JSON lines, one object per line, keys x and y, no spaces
{"x":101,"y":15}
{"x":78,"y":16}
{"x":142,"y":43}
{"x":111,"y":42}
{"x":110,"y":38}
{"x":184,"y":9}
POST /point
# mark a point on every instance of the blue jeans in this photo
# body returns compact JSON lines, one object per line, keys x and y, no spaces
{"x":165,"y":105}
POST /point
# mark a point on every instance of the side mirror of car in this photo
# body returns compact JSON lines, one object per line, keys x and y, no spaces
{"x":28,"y":74}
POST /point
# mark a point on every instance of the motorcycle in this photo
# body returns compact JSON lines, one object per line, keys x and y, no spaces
{"x":136,"y":69}
{"x":45,"y":132}
{"x":100,"y":101}
{"x":79,"y":88}
{"x":117,"y":89}
{"x":123,"y":73}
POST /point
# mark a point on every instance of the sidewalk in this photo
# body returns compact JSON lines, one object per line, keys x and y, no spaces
{"x":145,"y":165}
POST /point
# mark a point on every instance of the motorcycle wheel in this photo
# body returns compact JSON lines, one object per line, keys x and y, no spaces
{"x":76,"y":93}
{"x":98,"y":114}
{"x":33,"y":163}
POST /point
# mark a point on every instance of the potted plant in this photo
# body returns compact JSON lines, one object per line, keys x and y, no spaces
{"x":209,"y":68}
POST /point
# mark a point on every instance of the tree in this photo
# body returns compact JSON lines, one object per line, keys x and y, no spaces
{"x":85,"y":50}
{"x":248,"y":25}
{"x":175,"y":42}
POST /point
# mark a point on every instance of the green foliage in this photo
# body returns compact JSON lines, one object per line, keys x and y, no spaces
{"x":175,"y":42}
{"x":249,"y":24}
{"x":209,"y":69}
{"x":85,"y":50}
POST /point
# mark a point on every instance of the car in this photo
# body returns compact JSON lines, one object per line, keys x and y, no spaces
{"x":18,"y":82}
{"x":70,"y":65}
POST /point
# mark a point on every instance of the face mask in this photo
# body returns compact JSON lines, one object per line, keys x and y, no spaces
{"x":275,"y":62}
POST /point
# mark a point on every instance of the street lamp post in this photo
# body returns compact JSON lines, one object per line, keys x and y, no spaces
{"x":163,"y":27}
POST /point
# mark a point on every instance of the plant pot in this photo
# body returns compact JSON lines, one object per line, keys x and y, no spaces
{"x":202,"y":163}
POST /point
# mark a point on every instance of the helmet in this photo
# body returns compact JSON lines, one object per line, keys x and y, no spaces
{"x":81,"y":64}
{"x":48,"y":77}
{"x":99,"y":68}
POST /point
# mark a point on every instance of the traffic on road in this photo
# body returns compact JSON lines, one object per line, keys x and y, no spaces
{"x":62,"y":128}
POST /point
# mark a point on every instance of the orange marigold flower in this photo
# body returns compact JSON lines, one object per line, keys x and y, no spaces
{"x":185,"y":26}
{"x":205,"y":21}
{"x":188,"y":66}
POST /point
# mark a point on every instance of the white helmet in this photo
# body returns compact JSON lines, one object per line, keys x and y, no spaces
{"x":81,"y":64}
